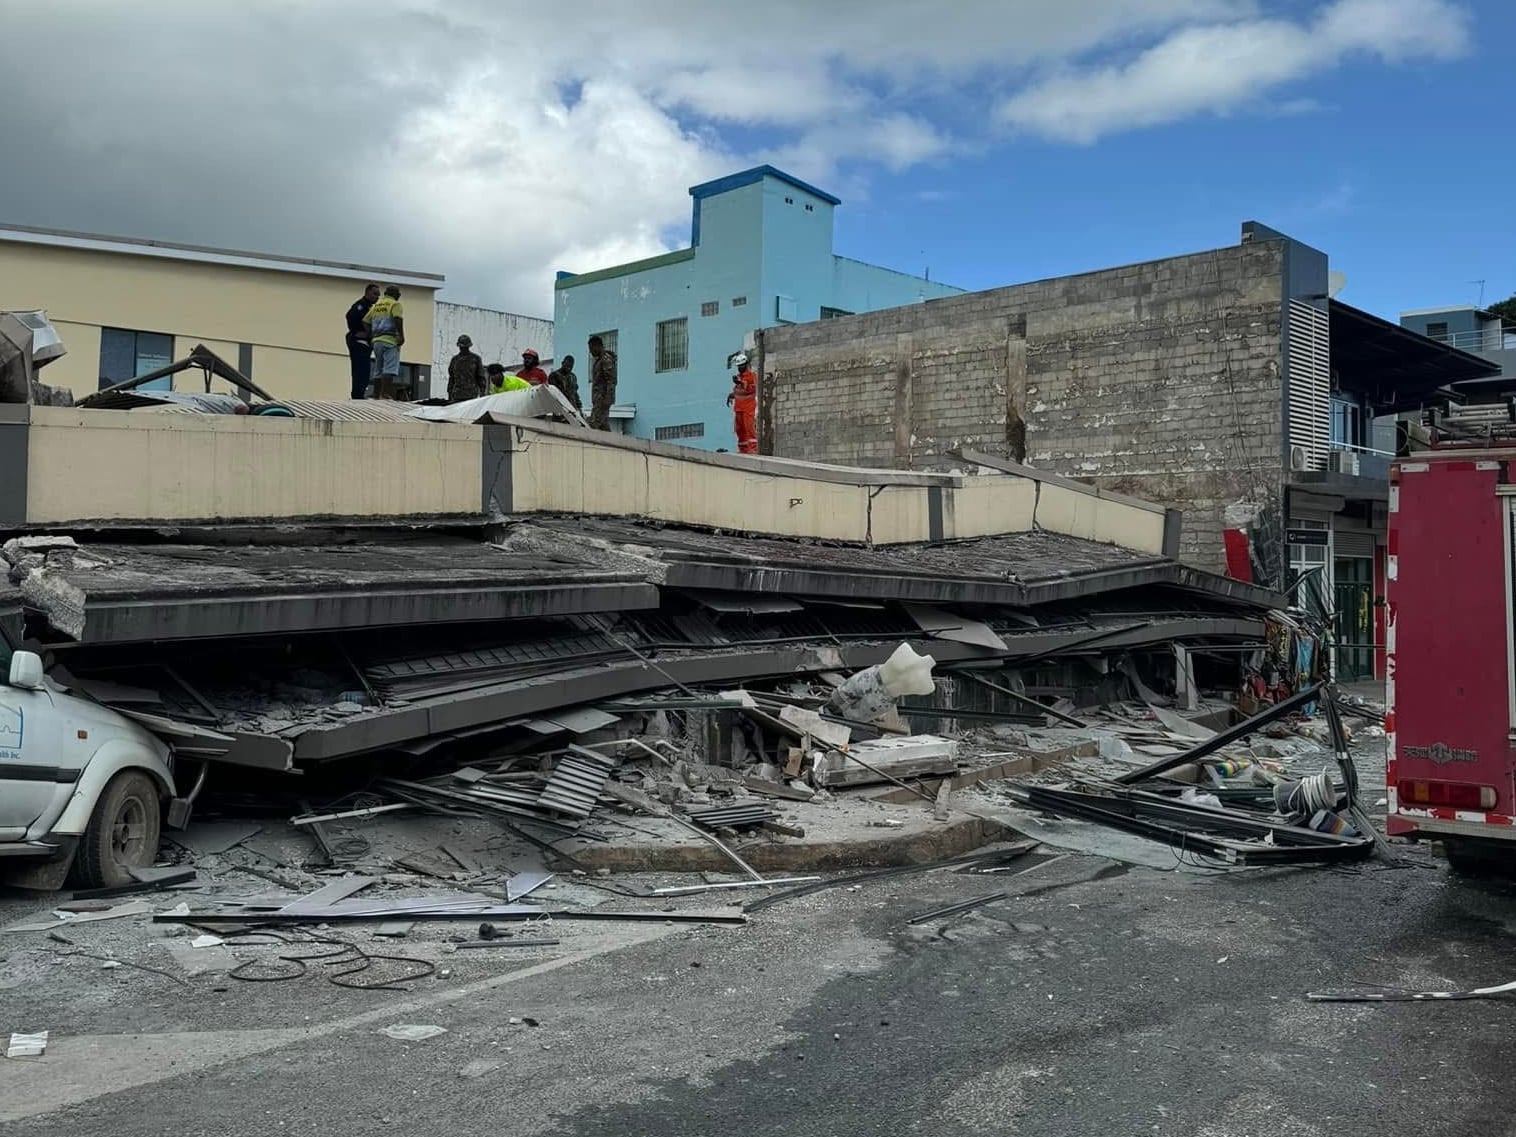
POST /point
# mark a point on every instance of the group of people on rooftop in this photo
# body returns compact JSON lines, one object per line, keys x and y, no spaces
{"x":376,"y":332}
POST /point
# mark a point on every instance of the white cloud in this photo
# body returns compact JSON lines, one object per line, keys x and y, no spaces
{"x":498,"y":140}
{"x":1220,"y":67}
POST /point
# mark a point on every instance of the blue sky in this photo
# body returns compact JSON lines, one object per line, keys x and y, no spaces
{"x":996,"y":141}
{"x":1403,"y":173}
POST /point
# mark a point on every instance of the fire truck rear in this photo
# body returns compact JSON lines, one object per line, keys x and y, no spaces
{"x":1451,"y":687}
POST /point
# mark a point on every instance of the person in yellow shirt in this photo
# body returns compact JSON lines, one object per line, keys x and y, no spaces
{"x":386,"y":323}
{"x":500,"y":382}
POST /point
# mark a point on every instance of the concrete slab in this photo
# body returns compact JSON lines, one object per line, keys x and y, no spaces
{"x":841,"y":834}
{"x":131,"y":593}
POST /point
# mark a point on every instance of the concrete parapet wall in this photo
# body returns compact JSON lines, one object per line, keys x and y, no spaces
{"x":73,"y":466}
{"x":555,"y":469}
{"x":97,"y":465}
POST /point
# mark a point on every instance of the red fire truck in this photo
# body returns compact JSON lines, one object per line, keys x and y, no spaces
{"x":1451,"y":680}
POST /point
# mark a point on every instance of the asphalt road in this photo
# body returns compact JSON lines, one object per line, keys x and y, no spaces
{"x":1095,"y":1000}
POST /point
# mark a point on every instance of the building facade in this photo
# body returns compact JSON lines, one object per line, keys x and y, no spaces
{"x":499,"y":337}
{"x":1469,"y":329}
{"x":760,"y":256}
{"x":1227,"y":384}
{"x":126,"y":308}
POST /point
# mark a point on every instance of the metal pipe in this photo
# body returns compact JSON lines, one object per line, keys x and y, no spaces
{"x":1224,"y":738}
{"x":1027,"y":699}
{"x":315,"y":818}
{"x":685,"y":889}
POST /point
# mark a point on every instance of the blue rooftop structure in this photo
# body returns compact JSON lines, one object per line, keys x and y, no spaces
{"x":760,"y":255}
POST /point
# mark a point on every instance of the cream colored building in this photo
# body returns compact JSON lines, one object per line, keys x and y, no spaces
{"x":125,"y":308}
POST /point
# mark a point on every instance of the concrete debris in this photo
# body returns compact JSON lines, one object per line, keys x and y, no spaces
{"x":868,"y":762}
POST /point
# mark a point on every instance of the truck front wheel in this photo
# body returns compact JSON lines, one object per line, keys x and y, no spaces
{"x":123,"y":832}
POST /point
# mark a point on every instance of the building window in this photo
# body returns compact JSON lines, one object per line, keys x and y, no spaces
{"x":789,"y":201}
{"x":1348,"y":424}
{"x":673,"y":345}
{"x":710,"y":308}
{"x":739,"y":301}
{"x":834,"y":313}
{"x":809,"y":208}
{"x":683,"y":430}
{"x":1438,"y":331}
{"x":608,"y":340}
{"x":127,"y":354}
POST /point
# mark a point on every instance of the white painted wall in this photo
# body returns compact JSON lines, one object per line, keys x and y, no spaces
{"x":500,"y":337}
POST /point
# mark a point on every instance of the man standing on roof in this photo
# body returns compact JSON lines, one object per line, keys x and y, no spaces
{"x":530,"y":370}
{"x":744,"y":403}
{"x":359,"y":350}
{"x":500,"y":382}
{"x":602,"y":384}
{"x":567,"y":382}
{"x":386,"y":325}
{"x":465,"y":373}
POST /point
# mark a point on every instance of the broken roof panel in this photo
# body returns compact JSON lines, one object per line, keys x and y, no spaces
{"x":1016,"y":569}
{"x":118,"y":593}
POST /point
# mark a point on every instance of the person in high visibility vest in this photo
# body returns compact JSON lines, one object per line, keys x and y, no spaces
{"x":744,"y":403}
{"x":500,"y":382}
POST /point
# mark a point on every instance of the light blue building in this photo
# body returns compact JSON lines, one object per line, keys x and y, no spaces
{"x":760,"y":255}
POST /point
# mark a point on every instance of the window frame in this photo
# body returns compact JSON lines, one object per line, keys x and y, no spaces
{"x":664,"y":354}
{"x":136,"y":334}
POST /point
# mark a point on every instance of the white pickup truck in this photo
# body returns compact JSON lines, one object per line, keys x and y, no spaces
{"x":80,"y":785}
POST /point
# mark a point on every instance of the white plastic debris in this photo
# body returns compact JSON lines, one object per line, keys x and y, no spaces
{"x":180,"y":909}
{"x":413,"y":1032}
{"x":207,"y":941}
{"x":872,"y":692}
{"x":906,"y":672}
{"x":27,"y":1045}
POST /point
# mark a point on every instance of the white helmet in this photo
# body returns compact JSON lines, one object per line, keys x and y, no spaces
{"x":739,"y":360}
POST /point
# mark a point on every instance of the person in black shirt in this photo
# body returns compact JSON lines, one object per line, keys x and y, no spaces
{"x":358,"y":347}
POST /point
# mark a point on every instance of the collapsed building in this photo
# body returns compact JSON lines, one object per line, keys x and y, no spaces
{"x":287,"y":591}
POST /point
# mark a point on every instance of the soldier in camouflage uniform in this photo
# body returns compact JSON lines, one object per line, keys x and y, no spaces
{"x":465,"y":373}
{"x":602,"y":384}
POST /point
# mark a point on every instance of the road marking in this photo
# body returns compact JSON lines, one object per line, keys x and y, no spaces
{"x":79,"y":1068}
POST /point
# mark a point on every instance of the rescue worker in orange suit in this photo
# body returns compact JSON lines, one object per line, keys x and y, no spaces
{"x":744,"y":403}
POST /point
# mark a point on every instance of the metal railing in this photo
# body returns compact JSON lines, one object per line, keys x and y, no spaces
{"x":1483,"y":339}
{"x":1371,"y":463}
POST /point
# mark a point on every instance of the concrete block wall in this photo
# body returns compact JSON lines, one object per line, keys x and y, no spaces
{"x":1159,"y":380}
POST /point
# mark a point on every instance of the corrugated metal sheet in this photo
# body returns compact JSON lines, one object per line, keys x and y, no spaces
{"x":359,"y":410}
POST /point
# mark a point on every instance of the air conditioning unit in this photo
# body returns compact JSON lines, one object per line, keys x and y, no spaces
{"x":1299,"y":458}
{"x":1343,"y":462}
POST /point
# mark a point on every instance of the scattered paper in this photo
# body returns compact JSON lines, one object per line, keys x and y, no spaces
{"x":413,"y":1032}
{"x":206,"y":941}
{"x":180,"y":909}
{"x":27,"y":1045}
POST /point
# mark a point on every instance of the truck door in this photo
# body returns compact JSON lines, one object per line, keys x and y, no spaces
{"x":30,"y":767}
